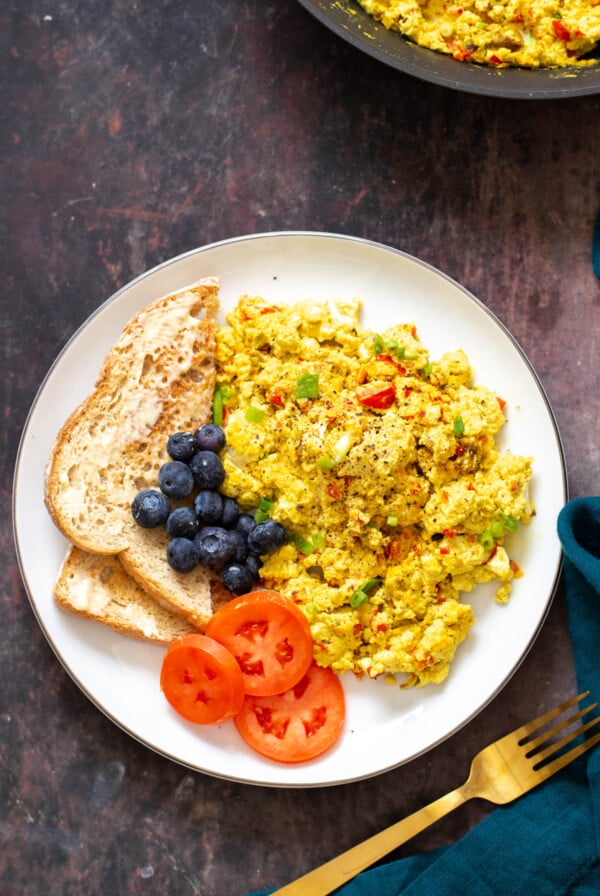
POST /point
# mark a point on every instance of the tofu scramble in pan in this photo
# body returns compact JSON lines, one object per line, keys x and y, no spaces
{"x":383,"y":467}
{"x":526,"y":33}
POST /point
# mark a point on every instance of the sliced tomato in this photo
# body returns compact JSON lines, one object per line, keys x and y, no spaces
{"x":202,"y":680}
{"x":269,"y":637}
{"x":301,"y":723}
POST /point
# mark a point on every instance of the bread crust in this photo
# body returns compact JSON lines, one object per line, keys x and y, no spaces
{"x":158,"y":379}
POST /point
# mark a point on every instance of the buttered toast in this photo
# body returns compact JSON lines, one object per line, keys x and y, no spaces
{"x":97,"y":587}
{"x":158,"y":379}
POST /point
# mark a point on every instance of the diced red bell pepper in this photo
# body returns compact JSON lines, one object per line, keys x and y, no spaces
{"x":381,"y":399}
{"x":561,"y":30}
{"x":276,"y":399}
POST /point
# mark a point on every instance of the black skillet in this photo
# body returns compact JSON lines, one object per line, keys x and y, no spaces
{"x":347,"y":19}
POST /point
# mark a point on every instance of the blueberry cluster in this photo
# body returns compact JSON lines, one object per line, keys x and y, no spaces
{"x":212,"y":531}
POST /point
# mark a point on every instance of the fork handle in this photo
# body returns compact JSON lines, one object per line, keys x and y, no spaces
{"x":338,"y":871}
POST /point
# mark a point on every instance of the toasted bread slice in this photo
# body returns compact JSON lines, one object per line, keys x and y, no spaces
{"x":98,"y":588}
{"x":158,"y":379}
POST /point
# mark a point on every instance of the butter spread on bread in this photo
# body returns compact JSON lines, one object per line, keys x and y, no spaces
{"x":97,"y":588}
{"x":158,"y":379}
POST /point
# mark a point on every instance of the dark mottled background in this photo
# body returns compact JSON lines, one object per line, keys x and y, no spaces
{"x":133,"y":132}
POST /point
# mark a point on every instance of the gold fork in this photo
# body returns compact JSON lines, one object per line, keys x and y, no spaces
{"x":501,"y":772}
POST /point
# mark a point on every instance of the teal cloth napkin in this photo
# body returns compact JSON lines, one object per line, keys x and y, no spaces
{"x":547,"y":842}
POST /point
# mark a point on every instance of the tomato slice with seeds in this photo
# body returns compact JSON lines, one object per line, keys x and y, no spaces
{"x":270,"y":638}
{"x":300,"y":724}
{"x":202,"y":680}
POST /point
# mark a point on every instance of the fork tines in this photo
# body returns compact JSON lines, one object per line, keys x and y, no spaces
{"x":542,"y":743}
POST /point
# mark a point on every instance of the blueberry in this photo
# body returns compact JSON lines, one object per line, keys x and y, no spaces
{"x":230,"y":514}
{"x":253,"y":563}
{"x":176,"y":479}
{"x":237,"y":578}
{"x":215,"y":546}
{"x":210,"y":437}
{"x":182,"y":446}
{"x":182,"y":523}
{"x":207,"y":469}
{"x":266,"y":536}
{"x":150,"y":508}
{"x":209,"y":507}
{"x":182,"y":554}
{"x":241,"y":546}
{"x":245,"y":523}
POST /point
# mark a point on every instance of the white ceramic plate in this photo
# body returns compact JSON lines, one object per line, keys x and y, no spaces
{"x":386,"y":726}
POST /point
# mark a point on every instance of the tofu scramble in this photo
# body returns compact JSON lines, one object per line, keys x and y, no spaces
{"x":382,"y":465}
{"x":527,"y":33}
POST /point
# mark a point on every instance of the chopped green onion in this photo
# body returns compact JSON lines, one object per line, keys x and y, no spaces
{"x":458,"y":427}
{"x":302,"y":544}
{"x":371,"y":583}
{"x":358,"y":598}
{"x":221,"y":394}
{"x":341,"y":448}
{"x":362,"y":593}
{"x":254,"y":415}
{"x":263,"y":510}
{"x":401,"y":352}
{"x":307,"y":386}
{"x":392,"y":520}
{"x":510,"y":522}
{"x":504,"y":523}
{"x":486,"y":540}
{"x":497,"y":529}
{"x":427,"y":370}
{"x":377,"y":344}
{"x":308,"y":546}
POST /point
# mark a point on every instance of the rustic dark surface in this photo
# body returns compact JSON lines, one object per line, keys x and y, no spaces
{"x":136,"y":131}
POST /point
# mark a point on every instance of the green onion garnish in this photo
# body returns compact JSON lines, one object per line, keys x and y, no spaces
{"x":307,"y":386}
{"x":510,"y":522}
{"x":497,"y":529}
{"x":402,"y":354}
{"x":308,"y":546}
{"x":504,"y":523}
{"x":458,"y":427}
{"x":426,"y":371}
{"x":362,"y":593}
{"x":221,"y":394}
{"x":254,"y":415}
{"x":263,"y":510}
{"x":341,"y":448}
{"x":358,"y":598}
{"x":377,"y":344}
{"x":486,"y":540}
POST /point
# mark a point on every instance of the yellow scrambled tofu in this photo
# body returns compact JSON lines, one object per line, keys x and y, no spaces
{"x":527,"y":33}
{"x":382,"y":465}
